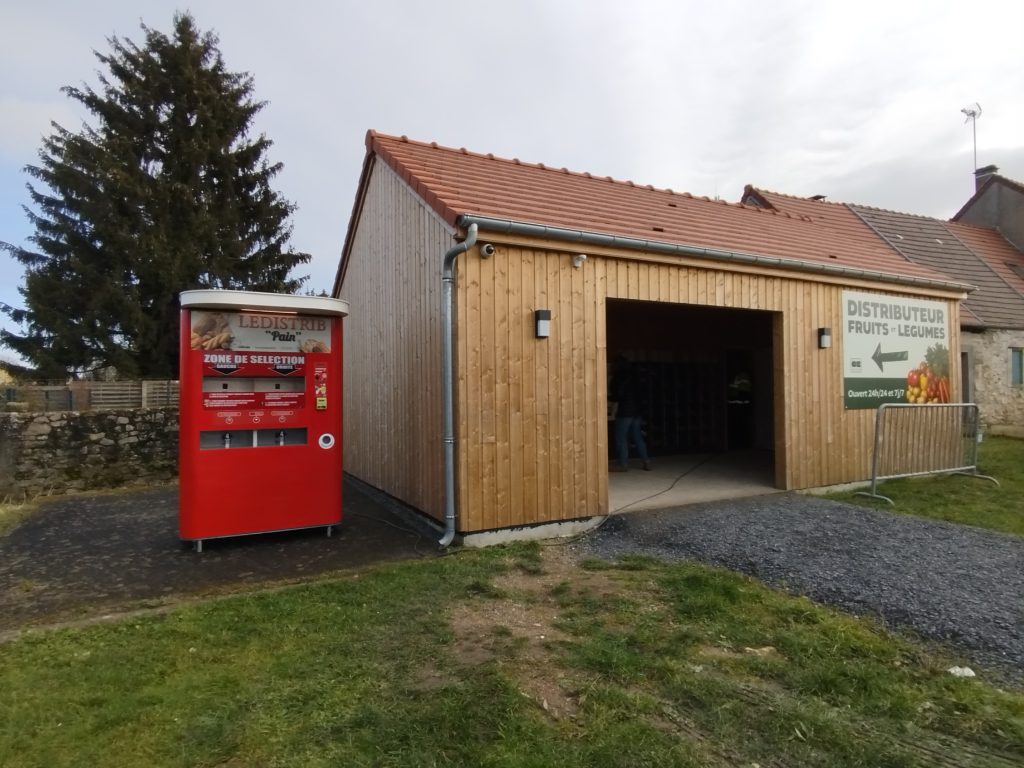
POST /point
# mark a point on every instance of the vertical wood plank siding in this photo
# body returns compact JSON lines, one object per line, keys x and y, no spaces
{"x":531,"y":413}
{"x":393,"y":420}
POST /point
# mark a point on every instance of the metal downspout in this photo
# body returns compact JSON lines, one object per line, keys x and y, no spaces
{"x":448,"y":378}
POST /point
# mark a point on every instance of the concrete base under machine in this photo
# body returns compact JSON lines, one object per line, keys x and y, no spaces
{"x":691,"y":478}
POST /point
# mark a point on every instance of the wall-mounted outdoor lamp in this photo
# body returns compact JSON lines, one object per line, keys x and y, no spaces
{"x":542,"y":323}
{"x":824,"y":338}
{"x":578,"y":259}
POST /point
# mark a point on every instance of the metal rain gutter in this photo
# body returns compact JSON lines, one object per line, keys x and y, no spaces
{"x":448,"y":378}
{"x":510,"y":227}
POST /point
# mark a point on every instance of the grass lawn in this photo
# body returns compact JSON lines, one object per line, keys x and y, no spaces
{"x":960,"y":499}
{"x":12,"y":514}
{"x":504,"y":657}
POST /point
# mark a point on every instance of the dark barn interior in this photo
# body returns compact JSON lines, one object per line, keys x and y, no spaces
{"x":704,"y":373}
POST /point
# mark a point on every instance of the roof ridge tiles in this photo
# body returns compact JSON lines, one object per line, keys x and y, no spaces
{"x":897,"y":213}
{"x":381,"y":138}
{"x":459,"y":181}
{"x":1007,"y":180}
{"x":840,"y":203}
{"x":823,"y":201}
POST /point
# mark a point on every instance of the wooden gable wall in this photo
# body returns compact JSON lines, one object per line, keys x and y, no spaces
{"x":392,"y":395}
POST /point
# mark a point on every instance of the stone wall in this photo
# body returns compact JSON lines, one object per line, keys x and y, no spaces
{"x":988,"y":359}
{"x":43,"y":453}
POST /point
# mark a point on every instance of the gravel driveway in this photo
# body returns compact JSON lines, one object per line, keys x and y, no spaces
{"x":952,"y":583}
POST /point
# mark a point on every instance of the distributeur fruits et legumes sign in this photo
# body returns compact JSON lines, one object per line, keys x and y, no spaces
{"x":895,"y":350}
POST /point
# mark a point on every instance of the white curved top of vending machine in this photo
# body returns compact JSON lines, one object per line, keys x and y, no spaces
{"x":263,"y":302}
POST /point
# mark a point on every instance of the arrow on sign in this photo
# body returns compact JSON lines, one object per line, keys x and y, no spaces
{"x":887,"y":357}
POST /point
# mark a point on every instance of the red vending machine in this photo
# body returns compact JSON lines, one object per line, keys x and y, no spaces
{"x":260,"y":423}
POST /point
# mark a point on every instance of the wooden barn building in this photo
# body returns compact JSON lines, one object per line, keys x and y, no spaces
{"x":755,"y":330}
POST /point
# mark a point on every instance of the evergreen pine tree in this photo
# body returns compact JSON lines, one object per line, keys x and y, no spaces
{"x":165,"y":192}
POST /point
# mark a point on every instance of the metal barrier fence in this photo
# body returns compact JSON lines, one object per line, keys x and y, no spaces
{"x":93,"y":395}
{"x":132,"y":394}
{"x":48,"y":398}
{"x":925,"y":439}
{"x":114,"y":394}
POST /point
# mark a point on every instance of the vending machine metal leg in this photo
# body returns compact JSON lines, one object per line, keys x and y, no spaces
{"x":199,"y":545}
{"x":330,"y":531}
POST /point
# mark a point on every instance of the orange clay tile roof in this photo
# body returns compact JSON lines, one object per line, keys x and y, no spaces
{"x":859,"y":225}
{"x":977,"y":255}
{"x":456,"y":182}
{"x":1001,"y":257}
{"x":836,"y":216}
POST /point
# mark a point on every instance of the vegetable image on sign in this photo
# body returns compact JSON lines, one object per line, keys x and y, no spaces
{"x":929,"y":381}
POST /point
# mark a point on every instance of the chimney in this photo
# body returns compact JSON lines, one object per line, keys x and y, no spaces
{"x":984,"y":174}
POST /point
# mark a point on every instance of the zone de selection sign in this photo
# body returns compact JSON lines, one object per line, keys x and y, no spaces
{"x":884,"y":340}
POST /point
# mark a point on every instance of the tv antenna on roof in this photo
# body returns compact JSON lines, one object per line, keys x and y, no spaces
{"x":973,"y":112}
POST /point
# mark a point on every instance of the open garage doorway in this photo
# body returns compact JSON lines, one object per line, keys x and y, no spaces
{"x":705,"y":393}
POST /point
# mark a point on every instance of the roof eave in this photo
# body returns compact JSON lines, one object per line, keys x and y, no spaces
{"x":357,"y":207}
{"x":528,"y":229}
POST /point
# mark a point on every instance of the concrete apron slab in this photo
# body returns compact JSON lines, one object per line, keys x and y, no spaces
{"x":561,"y":529}
{"x":689,"y":479}
{"x":674,"y":481}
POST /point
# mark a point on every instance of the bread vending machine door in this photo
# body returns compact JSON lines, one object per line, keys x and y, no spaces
{"x":260,"y":420}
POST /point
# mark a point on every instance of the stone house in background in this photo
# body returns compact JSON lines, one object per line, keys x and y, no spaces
{"x":981,"y":245}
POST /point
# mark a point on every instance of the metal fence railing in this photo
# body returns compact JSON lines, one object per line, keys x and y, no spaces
{"x":47,"y":398}
{"x":924,"y":439}
{"x":115,"y":394}
{"x":159,"y":394}
{"x":92,"y":395}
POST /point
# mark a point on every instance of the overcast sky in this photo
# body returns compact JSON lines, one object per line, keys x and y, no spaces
{"x":857,"y":101}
